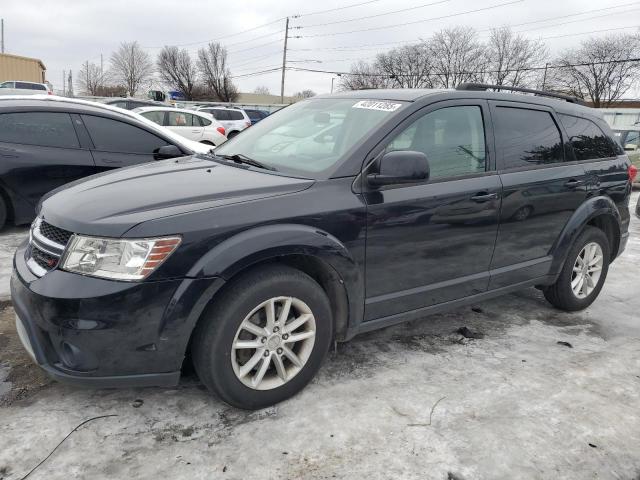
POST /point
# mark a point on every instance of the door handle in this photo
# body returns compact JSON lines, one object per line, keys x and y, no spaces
{"x":573,"y":183}
{"x":484,"y":197}
{"x":195,"y":131}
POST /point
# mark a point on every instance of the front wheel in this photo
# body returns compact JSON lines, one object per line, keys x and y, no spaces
{"x":264,"y":338}
{"x":583,"y":273}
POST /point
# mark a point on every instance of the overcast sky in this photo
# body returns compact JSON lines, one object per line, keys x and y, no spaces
{"x":65,"y":33}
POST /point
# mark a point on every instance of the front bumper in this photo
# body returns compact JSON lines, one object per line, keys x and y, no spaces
{"x":97,"y":332}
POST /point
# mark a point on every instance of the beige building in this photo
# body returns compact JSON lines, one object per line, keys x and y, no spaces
{"x":15,"y":67}
{"x":258,"y":98}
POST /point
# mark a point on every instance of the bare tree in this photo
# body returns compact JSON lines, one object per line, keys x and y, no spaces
{"x":178,"y":70}
{"x":364,"y":76}
{"x":305,"y":94}
{"x":407,"y":67}
{"x":262,"y":90}
{"x":456,"y":56}
{"x":131,"y":66}
{"x":510,"y":58}
{"x":90,"y":79}
{"x":212,"y":63}
{"x":597,"y":70}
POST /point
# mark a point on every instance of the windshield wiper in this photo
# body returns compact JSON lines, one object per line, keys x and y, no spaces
{"x":241,"y":158}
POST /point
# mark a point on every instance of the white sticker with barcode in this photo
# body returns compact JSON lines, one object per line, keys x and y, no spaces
{"x":377,"y":105}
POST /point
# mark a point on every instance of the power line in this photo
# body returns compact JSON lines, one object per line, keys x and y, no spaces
{"x":318,"y":12}
{"x":415,"y":22}
{"x":578,"y":20}
{"x":592,"y":31}
{"x":255,"y":74}
{"x":374,"y":16}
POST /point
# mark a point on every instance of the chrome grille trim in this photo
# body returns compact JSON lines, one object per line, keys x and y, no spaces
{"x":45,"y":245}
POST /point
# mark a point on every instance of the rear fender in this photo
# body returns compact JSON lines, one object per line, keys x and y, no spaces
{"x":593,"y":207}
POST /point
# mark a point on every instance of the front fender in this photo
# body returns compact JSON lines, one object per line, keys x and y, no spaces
{"x":593,"y":207}
{"x":271,"y":241}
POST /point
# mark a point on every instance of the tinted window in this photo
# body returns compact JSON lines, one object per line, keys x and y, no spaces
{"x":527,"y":137}
{"x":115,"y":136}
{"x":587,"y":139}
{"x":220,"y":114}
{"x":122,"y":104}
{"x":156,"y":117}
{"x":179,"y":119}
{"x":236,"y":115}
{"x":47,"y":129}
{"x":452,"y":138}
{"x":6,"y":85}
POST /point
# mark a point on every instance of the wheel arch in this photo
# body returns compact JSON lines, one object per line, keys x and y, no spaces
{"x":317,"y":253}
{"x":600,"y":212}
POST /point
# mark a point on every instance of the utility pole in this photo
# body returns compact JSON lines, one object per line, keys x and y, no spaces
{"x":64,"y":83}
{"x":101,"y":66}
{"x":284,"y":59}
{"x":1,"y":35}
{"x":544,"y":79}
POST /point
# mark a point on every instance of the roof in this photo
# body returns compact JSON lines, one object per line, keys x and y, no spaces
{"x":415,"y":94}
{"x":20,"y":57}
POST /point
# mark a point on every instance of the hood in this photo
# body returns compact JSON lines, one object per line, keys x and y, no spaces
{"x":111,"y":203}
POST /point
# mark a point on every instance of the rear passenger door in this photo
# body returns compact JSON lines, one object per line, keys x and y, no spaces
{"x":120,"y":144}
{"x":543,"y":185}
{"x":40,"y":151}
{"x":185,"y":124}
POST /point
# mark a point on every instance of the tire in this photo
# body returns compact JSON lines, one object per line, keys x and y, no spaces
{"x":522,"y":213}
{"x":232,"y":134}
{"x":561,"y":294}
{"x":3,"y":213}
{"x":207,"y":142}
{"x":223,"y":368}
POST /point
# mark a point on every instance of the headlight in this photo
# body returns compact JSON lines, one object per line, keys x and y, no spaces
{"x":118,"y":259}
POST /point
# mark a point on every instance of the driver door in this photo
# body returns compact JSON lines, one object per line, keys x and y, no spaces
{"x":432,"y":242}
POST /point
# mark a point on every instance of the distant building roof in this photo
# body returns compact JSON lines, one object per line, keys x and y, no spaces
{"x":20,"y":57}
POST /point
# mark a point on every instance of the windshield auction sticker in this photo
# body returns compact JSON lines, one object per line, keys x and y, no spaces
{"x":374,"y":105}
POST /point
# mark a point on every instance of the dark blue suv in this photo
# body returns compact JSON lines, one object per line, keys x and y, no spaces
{"x":335,"y":216}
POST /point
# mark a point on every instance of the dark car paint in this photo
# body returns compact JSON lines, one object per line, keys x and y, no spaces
{"x":27,"y":172}
{"x":396,"y":253}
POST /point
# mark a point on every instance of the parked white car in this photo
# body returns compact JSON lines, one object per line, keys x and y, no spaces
{"x":197,"y":126}
{"x":234,"y":120}
{"x":24,"y":88}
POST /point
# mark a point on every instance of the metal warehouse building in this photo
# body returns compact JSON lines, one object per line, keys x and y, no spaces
{"x":15,"y":67}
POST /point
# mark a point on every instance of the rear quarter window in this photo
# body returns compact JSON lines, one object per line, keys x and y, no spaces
{"x":589,"y":142}
{"x":236,"y":115}
{"x":47,"y":129}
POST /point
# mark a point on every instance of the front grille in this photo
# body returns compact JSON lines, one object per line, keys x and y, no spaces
{"x":55,"y":234}
{"x":43,"y":259}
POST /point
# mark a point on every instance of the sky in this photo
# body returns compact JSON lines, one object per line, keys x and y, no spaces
{"x":334,"y":34}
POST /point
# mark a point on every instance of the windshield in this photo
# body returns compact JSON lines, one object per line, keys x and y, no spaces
{"x":312,"y":136}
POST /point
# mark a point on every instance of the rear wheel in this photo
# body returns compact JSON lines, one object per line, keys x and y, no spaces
{"x":232,"y":134}
{"x":264,"y":338}
{"x":583,"y":273}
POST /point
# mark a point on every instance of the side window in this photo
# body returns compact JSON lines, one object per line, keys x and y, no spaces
{"x":235,"y":115}
{"x":527,"y":137}
{"x":452,"y":138}
{"x":114,"y":136}
{"x":588,"y":141}
{"x":155,"y":117}
{"x":122,"y":104}
{"x":6,"y":85}
{"x":179,"y":119}
{"x":220,"y":114}
{"x":47,"y":129}
{"x":632,"y":141}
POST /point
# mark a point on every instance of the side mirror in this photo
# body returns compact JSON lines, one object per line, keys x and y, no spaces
{"x":167,"y":151}
{"x":402,"y":166}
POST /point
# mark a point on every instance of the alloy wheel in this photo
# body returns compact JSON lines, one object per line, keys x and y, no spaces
{"x":587,"y":270}
{"x":273,"y":343}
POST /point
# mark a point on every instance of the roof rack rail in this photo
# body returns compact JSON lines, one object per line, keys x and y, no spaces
{"x":540,"y":93}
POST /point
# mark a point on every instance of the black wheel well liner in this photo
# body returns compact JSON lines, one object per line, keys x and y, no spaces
{"x":607,"y":223}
